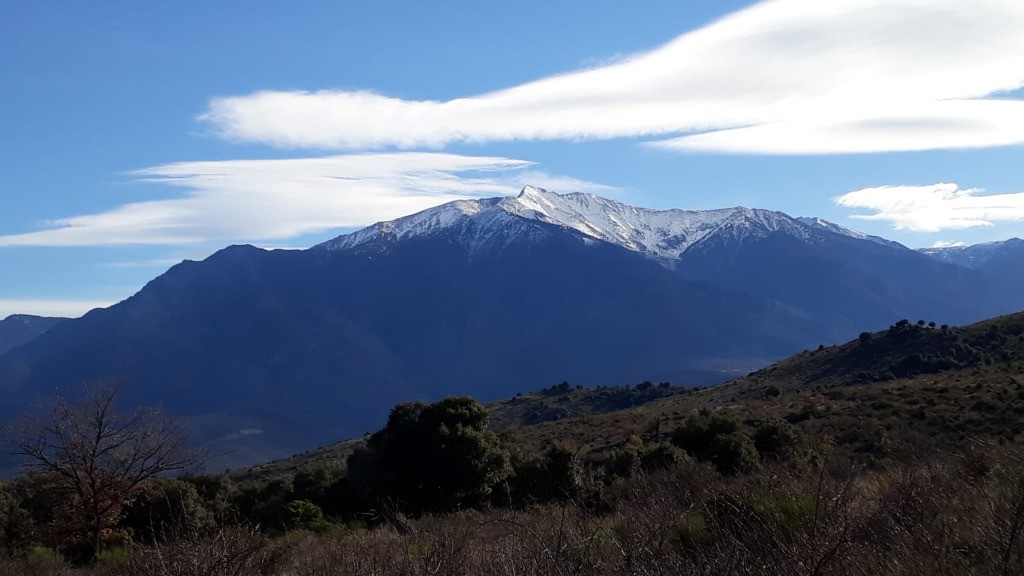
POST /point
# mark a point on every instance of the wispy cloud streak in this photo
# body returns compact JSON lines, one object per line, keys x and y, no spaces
{"x":55,"y":308}
{"x":781,"y":77}
{"x":269,"y":200}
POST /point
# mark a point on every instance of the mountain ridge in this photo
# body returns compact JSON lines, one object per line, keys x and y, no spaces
{"x":658,"y":233}
{"x":485,"y":297}
{"x":18,"y":329}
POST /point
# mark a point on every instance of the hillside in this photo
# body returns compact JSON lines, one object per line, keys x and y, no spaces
{"x":17,"y":329}
{"x":896,"y":453}
{"x":559,"y":402}
{"x":907,"y":387}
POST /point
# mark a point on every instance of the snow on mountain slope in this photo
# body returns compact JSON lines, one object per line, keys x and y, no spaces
{"x":419,"y":224}
{"x":976,"y":255}
{"x":660,"y":233}
{"x":821,"y":224}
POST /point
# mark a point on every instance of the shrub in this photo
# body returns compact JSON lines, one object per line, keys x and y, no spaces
{"x":433,"y":457}
{"x":556,"y":475}
{"x":661,"y":457}
{"x":733,"y":453}
{"x":717,"y":439}
{"x":165,"y":508}
{"x":16,"y":527}
{"x":776,"y":439}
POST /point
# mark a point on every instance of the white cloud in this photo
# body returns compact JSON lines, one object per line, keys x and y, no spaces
{"x":948,"y":244}
{"x":59,"y":308}
{"x":151,"y":263}
{"x":261,"y":200}
{"x":781,"y":77}
{"x":934,"y":207}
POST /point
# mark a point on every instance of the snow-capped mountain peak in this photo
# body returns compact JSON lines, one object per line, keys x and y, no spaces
{"x":659,"y":233}
{"x":422,"y":223}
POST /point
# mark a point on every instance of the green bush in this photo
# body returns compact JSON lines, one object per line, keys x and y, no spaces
{"x":305,"y":515}
{"x":556,"y":475}
{"x":733,"y":453}
{"x":165,"y":509}
{"x":776,"y":439}
{"x":661,"y":457}
{"x":433,"y":457}
{"x":16,"y":527}
{"x":717,"y":439}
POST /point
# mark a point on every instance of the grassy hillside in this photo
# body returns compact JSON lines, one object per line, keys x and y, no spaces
{"x":898,"y":453}
{"x":899,"y":389}
{"x":907,"y":386}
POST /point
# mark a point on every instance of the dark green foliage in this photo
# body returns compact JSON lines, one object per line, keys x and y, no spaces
{"x":908,"y":349}
{"x":562,"y":401}
{"x":662,"y":456}
{"x":215,"y":492}
{"x":558,"y":389}
{"x":16,"y":527}
{"x":305,"y":515}
{"x":696,"y":436}
{"x":635,"y":457}
{"x":623,"y":463}
{"x":717,"y":439}
{"x":167,"y":508}
{"x":556,"y":475}
{"x":312,"y":484}
{"x":733,"y":453}
{"x":42,"y":501}
{"x":433,"y":457}
{"x":776,"y":439}
{"x":265,"y":505}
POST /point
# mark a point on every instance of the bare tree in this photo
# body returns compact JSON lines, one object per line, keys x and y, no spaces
{"x":99,"y":457}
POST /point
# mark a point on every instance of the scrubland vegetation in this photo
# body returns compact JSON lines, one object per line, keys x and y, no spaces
{"x":844,"y":460}
{"x":936,"y":515}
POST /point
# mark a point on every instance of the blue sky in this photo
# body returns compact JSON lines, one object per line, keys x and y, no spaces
{"x":139,"y":134}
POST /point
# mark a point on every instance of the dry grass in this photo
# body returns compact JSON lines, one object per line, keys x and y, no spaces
{"x":948,"y":514}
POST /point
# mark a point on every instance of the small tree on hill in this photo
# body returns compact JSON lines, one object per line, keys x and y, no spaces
{"x":98,"y":458}
{"x":432,"y":457}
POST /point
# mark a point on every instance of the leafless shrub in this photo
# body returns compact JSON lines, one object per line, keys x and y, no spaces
{"x":227,"y":553}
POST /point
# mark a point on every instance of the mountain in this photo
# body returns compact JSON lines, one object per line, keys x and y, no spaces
{"x":978,"y":255}
{"x":810,"y":264}
{"x":269,"y":352}
{"x":18,"y":329}
{"x":1002,"y":263}
{"x":657,"y":233}
{"x":822,"y":224}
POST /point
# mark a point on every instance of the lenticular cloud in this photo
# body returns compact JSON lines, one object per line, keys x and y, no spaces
{"x":259,"y":200}
{"x":934,"y":207}
{"x":781,"y":77}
